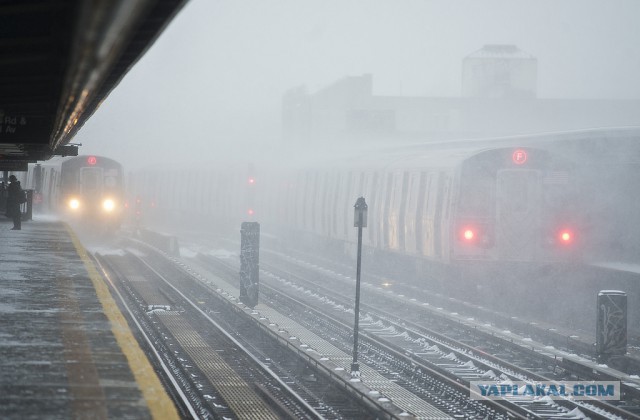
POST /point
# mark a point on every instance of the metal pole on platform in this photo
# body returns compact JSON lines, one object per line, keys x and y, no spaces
{"x":360,"y":221}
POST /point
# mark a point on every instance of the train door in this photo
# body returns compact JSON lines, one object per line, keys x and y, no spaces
{"x":91,"y":183}
{"x":518,"y":198}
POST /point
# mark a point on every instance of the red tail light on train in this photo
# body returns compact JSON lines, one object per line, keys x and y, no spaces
{"x":477,"y":235}
{"x":565,"y":236}
{"x":469,"y":234}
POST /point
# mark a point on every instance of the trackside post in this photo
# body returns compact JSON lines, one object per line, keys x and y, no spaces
{"x":611,"y":328}
{"x":249,"y":262}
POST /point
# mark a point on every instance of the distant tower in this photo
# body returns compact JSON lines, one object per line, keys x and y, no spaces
{"x":499,"y":71}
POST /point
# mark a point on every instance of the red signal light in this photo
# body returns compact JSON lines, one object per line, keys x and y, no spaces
{"x":92,"y":160}
{"x":251,"y":181}
{"x":468,"y":234}
{"x":250,"y":212}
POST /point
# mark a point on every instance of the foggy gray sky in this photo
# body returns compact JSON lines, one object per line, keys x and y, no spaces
{"x":213,"y":82}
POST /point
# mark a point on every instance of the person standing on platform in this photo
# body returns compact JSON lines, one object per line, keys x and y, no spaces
{"x":14,"y":199}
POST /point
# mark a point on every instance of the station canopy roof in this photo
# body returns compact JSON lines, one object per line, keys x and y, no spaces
{"x":59,"y":59}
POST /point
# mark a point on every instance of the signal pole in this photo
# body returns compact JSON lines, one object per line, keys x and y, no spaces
{"x":360,"y":221}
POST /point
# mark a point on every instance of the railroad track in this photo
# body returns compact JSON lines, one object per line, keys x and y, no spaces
{"x":210,"y":374}
{"x":516,"y":333}
{"x":552,"y":335}
{"x":502,"y":344}
{"x":456,"y":358}
{"x":322,"y":394}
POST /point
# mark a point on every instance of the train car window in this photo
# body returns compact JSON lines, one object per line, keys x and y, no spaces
{"x":294,"y":187}
{"x":559,"y":196}
{"x":410,"y":212}
{"x":334,"y":206}
{"x":310,"y":192}
{"x":52,"y":182}
{"x":346,"y":205}
{"x":438,"y":215}
{"x":447,"y":198}
{"x":421,"y":213}
{"x":402,"y":211}
{"x":477,"y":192}
{"x":515,"y":190}
{"x":210,"y":180}
{"x":192,"y":200}
{"x":373,"y":229}
{"x":38,"y":174}
{"x":114,"y":174}
{"x":285,"y":196}
{"x":394,"y":211}
{"x":313,"y":201}
{"x":324,"y":225}
{"x":110,"y":182}
{"x":330,"y":199}
{"x":303,"y":196}
{"x":386,"y":211}
{"x":555,"y":189}
{"x":361,"y":191}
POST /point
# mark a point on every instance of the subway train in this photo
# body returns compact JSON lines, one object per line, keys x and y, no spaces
{"x":87,"y":189}
{"x":448,"y":205}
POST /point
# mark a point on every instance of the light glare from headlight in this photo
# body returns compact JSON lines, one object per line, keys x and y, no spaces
{"x":108,"y":205}
{"x":74,"y":204}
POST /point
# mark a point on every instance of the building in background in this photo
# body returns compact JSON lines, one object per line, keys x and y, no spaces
{"x":499,"y":71}
{"x":499,"y":97}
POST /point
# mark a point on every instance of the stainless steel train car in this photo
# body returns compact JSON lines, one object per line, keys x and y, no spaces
{"x":498,"y":204}
{"x":445,"y":205}
{"x":82,"y":188}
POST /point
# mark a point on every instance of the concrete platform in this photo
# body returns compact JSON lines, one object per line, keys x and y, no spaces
{"x":66,"y":350}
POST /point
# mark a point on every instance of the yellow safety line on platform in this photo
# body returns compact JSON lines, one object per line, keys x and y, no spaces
{"x":159,"y":403}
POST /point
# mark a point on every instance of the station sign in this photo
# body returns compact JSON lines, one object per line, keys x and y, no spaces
{"x":13,"y":165}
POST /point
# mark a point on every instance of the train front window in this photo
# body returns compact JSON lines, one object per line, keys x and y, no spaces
{"x":110,"y":182}
{"x":559,"y":196}
{"x":476,"y":196}
{"x":517,"y":190}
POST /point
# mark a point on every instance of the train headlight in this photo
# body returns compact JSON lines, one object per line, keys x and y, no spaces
{"x":74,"y":204}
{"x":108,"y":205}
